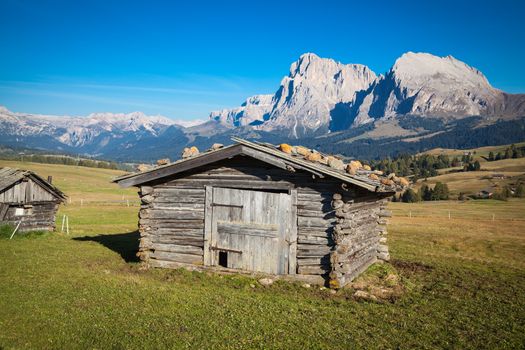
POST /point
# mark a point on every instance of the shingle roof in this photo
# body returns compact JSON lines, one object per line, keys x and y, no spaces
{"x":10,"y":176}
{"x":261,"y":151}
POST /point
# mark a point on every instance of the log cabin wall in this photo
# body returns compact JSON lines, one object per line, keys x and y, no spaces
{"x":171,"y":218}
{"x":359,"y":237}
{"x":36,"y":216}
{"x":30,"y":204}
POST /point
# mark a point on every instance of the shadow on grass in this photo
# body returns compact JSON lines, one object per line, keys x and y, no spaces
{"x":126,"y":244}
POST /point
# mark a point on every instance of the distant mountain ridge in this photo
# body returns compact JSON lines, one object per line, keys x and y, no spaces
{"x":321,"y":95}
{"x":422,"y":101}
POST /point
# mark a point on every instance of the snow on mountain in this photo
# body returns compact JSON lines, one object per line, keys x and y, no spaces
{"x":189,"y":123}
{"x":252,"y":111}
{"x":427,"y":85}
{"x":79,"y":131}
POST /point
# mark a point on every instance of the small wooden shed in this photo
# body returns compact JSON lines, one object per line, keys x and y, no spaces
{"x":28,"y":199}
{"x":253,"y":207}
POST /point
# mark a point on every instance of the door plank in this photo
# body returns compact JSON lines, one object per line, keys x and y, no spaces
{"x":292,"y":237}
{"x":208,"y":220}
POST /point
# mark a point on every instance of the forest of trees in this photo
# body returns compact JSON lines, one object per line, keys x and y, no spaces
{"x":439,"y":192}
{"x":459,"y":134}
{"x":510,"y":152}
{"x":60,"y":159}
{"x":423,"y":166}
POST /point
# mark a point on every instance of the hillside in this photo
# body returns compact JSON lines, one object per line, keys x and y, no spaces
{"x":88,"y":184}
{"x":471,"y":182}
{"x":479,"y":153}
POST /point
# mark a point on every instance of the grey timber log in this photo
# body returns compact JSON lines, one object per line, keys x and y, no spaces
{"x":357,"y":236}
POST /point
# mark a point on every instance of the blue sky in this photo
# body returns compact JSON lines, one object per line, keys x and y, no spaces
{"x":184,"y":59}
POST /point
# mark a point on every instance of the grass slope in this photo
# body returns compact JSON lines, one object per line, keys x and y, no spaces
{"x":472,"y":182}
{"x":88,"y":184}
{"x":479,"y":153}
{"x":463,"y":280}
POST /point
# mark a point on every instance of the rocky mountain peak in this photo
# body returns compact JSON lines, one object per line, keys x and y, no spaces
{"x":430,"y":86}
{"x":304,"y":99}
{"x":420,"y":69}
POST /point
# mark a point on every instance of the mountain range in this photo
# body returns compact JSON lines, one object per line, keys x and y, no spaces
{"x":422,"y":101}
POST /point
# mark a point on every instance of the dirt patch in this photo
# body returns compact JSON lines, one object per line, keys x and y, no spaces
{"x":411,"y":267}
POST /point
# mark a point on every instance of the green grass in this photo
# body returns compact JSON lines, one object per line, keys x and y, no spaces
{"x":479,"y":153}
{"x":461,"y":285}
{"x":6,"y":232}
{"x":88,"y":184}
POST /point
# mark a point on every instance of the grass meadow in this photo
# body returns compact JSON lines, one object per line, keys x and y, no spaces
{"x":471,"y":182}
{"x":460,"y":283}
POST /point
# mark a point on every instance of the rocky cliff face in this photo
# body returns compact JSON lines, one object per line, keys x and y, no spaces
{"x":321,"y":95}
{"x":305,"y":98}
{"x":253,"y":111}
{"x":426,"y":85}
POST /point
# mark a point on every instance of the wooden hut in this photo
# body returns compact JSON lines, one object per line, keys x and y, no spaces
{"x":28,"y":200}
{"x":254,"y":207}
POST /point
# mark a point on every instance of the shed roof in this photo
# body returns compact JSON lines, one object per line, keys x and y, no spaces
{"x":261,"y":151}
{"x":11,"y":176}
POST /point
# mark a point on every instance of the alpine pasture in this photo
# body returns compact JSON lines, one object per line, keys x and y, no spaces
{"x":456,"y":280}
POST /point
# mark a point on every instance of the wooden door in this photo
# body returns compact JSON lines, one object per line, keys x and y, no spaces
{"x":250,"y":230}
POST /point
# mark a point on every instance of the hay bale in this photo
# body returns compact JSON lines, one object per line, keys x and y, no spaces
{"x":163,"y":161}
{"x":367,"y":167}
{"x":373,"y":177}
{"x":286,"y":148}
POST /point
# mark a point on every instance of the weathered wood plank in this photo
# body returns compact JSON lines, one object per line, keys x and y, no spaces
{"x":173,"y":248}
{"x":175,"y":257}
{"x":292,"y":239}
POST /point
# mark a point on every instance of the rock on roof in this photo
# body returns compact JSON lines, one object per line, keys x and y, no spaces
{"x":284,"y":156}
